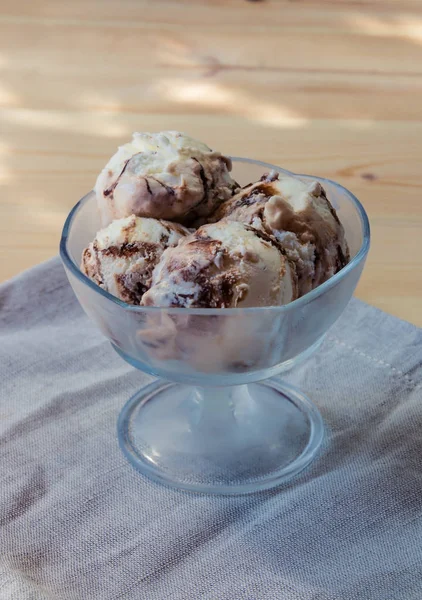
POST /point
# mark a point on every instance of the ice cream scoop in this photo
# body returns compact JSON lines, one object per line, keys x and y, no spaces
{"x":165,"y":175}
{"x":123,"y":255}
{"x":302,"y":220}
{"x":223,"y":265}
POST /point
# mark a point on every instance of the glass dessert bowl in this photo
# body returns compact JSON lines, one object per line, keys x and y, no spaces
{"x":218,"y":420}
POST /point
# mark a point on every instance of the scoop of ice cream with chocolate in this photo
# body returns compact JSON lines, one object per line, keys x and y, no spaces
{"x":301,"y":218}
{"x":223,"y":265}
{"x":165,"y":175}
{"x":123,"y":255}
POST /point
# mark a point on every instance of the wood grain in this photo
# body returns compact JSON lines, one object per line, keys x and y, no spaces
{"x":328,"y":87}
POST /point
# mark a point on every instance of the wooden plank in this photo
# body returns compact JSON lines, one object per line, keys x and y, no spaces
{"x":330,"y":88}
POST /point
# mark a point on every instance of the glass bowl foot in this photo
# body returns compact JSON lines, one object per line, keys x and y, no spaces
{"x":231,"y":440}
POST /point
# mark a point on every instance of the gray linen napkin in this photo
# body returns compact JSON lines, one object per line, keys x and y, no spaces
{"x":78,"y":523}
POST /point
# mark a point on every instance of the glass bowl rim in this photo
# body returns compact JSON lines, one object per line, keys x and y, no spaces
{"x":299,"y":302}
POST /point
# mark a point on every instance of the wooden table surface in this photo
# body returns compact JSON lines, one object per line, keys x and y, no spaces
{"x":330,"y":87}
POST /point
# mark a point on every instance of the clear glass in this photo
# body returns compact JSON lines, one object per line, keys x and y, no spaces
{"x":207,"y":425}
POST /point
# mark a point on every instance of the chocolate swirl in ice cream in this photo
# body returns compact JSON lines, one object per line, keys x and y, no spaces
{"x":223,"y":265}
{"x":166,"y":175}
{"x":122,"y":257}
{"x":301,"y":219}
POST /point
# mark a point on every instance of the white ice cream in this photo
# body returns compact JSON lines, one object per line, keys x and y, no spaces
{"x":123,"y":255}
{"x":223,"y":265}
{"x":300,"y":217}
{"x":165,"y":175}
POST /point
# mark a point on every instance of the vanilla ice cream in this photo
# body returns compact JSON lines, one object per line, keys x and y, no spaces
{"x":123,"y":255}
{"x":165,"y":175}
{"x":302,"y":220}
{"x":223,"y":265}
